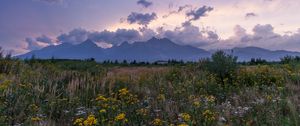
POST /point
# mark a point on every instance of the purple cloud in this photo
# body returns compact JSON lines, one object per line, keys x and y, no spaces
{"x":180,"y":9}
{"x":34,"y":45}
{"x":140,"y":18}
{"x":144,"y":3}
{"x":115,"y":37}
{"x":200,"y":12}
{"x":45,"y":39}
{"x":75,"y":36}
{"x":251,"y":14}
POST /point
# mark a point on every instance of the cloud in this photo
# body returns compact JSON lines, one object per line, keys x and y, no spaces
{"x":189,"y":34}
{"x":198,"y":13}
{"x":144,"y":3}
{"x":264,"y":31}
{"x":74,"y":37}
{"x":186,"y":34}
{"x":116,"y":37}
{"x":34,"y":45}
{"x":263,"y":36}
{"x":251,"y":14}
{"x":77,"y":36}
{"x":140,"y":18}
{"x":45,"y":39}
{"x":39,"y":42}
{"x":180,"y":9}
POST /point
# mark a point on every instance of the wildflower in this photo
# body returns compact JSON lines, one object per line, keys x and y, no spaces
{"x":123,"y":91}
{"x":196,"y":104}
{"x":209,"y":115}
{"x":104,"y":105}
{"x":183,"y":124}
{"x":102,"y":111}
{"x":211,"y":99}
{"x":120,"y":117}
{"x":78,"y":122}
{"x":101,"y":98}
{"x":143,"y":111}
{"x":36,"y":119}
{"x":157,"y":122}
{"x":34,"y":107}
{"x":5,"y":85}
{"x":91,"y":120}
{"x":185,"y":116}
{"x":131,"y":99}
{"x":161,"y":97}
{"x":192,"y":97}
{"x":269,"y":97}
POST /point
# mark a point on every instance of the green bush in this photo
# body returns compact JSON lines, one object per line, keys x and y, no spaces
{"x":223,"y":66}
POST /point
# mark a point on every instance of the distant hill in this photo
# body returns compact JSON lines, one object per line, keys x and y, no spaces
{"x":246,"y":53}
{"x":151,"y":50}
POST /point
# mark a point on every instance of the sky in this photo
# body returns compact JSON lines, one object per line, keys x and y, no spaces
{"x":27,"y":25}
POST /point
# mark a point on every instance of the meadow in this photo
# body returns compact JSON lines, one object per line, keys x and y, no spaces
{"x":212,"y":92}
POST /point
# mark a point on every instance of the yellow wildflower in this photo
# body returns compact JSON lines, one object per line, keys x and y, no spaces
{"x":120,"y":117}
{"x":209,"y":115}
{"x":123,"y":91}
{"x":36,"y":119}
{"x":196,"y":103}
{"x":78,"y":122}
{"x":102,"y":111}
{"x":143,"y":111}
{"x":269,"y":97}
{"x":5,"y":85}
{"x":91,"y":120}
{"x":192,"y":97}
{"x":104,"y":105}
{"x":34,"y":107}
{"x":183,"y":124}
{"x":211,"y":99}
{"x":161,"y":97}
{"x":185,"y":116}
{"x":101,"y":98}
{"x":157,"y":122}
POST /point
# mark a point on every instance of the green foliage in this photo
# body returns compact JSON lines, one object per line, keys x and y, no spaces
{"x":260,"y":76}
{"x":290,"y":59}
{"x":74,"y":92}
{"x":223,"y":66}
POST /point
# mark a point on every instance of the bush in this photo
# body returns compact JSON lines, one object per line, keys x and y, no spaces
{"x":223,"y":66}
{"x":260,"y":76}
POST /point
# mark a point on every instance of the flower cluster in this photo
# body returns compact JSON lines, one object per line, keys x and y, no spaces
{"x":185,"y":116}
{"x":157,"y":122}
{"x":209,"y":115}
{"x":90,"y":121}
{"x":120,"y":117}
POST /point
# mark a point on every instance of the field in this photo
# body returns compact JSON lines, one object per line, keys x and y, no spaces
{"x":206,"y":93}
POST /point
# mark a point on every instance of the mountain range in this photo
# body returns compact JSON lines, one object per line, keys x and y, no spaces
{"x":151,"y":50}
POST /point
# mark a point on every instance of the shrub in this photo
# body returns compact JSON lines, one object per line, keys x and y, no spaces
{"x":223,"y":66}
{"x":259,"y":76}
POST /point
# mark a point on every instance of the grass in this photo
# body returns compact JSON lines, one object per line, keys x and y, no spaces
{"x":64,"y":92}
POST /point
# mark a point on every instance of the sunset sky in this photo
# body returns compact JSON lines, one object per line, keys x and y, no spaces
{"x":27,"y":25}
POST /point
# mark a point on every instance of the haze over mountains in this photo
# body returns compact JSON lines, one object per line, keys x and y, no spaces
{"x":151,"y":50}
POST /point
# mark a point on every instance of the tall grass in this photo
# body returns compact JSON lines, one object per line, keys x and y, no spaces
{"x":37,"y":92}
